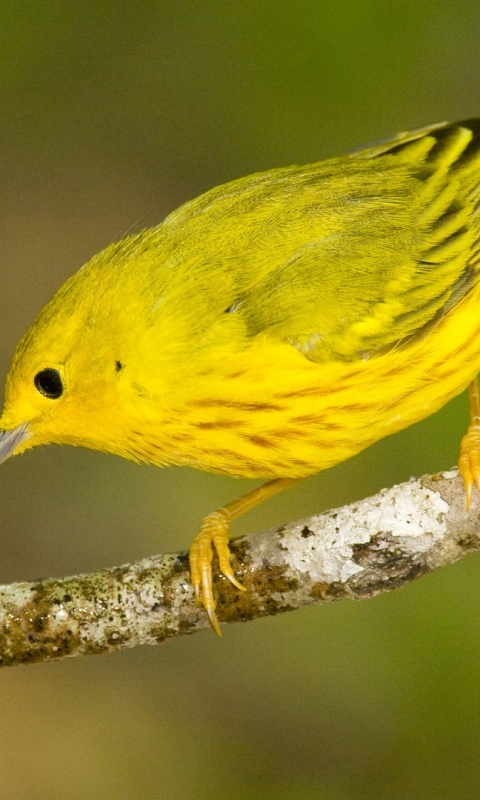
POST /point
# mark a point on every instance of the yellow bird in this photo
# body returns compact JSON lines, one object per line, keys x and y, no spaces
{"x":270,"y":328}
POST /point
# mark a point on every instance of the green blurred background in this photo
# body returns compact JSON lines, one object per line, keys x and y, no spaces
{"x":112,"y":114}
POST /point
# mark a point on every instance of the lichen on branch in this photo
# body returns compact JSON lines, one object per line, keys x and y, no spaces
{"x":371,"y":546}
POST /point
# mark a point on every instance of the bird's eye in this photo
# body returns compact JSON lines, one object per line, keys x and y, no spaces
{"x":49,"y":383}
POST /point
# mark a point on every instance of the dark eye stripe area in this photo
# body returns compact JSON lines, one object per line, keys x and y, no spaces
{"x":49,"y":383}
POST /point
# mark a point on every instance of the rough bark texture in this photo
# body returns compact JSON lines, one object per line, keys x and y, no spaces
{"x":355,"y":552}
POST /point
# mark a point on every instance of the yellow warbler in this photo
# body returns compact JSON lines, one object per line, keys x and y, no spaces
{"x":272,"y":327}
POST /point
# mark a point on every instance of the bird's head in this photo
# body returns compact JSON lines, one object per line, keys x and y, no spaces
{"x":62,"y":388}
{"x":68,"y":383}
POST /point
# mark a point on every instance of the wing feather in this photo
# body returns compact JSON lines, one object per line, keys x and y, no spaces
{"x":397,"y":247}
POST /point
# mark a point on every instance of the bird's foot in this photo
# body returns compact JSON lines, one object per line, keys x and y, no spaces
{"x":213,"y":534}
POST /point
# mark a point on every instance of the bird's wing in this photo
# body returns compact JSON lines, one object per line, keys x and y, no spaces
{"x":373,"y":248}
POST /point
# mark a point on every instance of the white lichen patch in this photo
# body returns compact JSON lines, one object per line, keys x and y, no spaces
{"x":450,"y":474}
{"x":414,"y":511}
{"x":322,"y":546}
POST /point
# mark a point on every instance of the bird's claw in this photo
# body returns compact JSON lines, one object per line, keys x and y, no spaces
{"x":469,"y":461}
{"x":213,"y":534}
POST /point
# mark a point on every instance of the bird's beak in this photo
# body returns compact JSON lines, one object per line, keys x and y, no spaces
{"x":10,"y":441}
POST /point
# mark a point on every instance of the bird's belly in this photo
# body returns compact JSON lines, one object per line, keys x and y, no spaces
{"x":272,"y":413}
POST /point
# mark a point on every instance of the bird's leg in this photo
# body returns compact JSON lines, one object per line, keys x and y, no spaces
{"x":214,"y":534}
{"x":469,"y":461}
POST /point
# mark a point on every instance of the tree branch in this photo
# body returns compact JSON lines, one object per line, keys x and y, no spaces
{"x":355,"y":552}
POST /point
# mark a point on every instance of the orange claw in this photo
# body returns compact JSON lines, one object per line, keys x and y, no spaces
{"x":214,"y":533}
{"x":469,"y":461}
